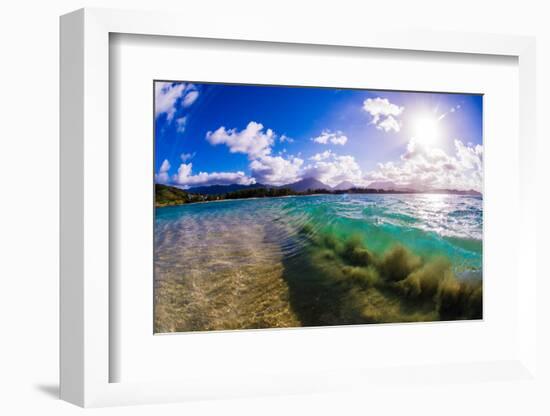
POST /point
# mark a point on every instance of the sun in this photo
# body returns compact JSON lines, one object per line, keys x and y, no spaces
{"x":426,"y":129}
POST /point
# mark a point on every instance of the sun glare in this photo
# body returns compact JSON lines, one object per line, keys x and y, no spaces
{"x":426,"y":129}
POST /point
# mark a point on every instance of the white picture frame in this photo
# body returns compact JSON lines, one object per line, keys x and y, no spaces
{"x":85,"y":355}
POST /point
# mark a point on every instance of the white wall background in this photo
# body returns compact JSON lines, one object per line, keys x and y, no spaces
{"x":29,"y":56}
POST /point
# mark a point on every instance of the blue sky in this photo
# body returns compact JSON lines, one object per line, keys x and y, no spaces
{"x":209,"y":134}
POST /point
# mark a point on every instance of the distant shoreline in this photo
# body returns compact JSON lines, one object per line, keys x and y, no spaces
{"x":233,"y":199}
{"x":318,"y":194}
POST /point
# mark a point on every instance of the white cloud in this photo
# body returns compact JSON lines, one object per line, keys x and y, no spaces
{"x":162,"y":175}
{"x":381,"y":107}
{"x":180,"y":124}
{"x":333,"y":169}
{"x":190,"y":97}
{"x":275,"y":170}
{"x":339,"y":140}
{"x":185,"y":178}
{"x":187,"y":156}
{"x":327,"y":136}
{"x":322,"y":156}
{"x":327,"y":167}
{"x":470,"y":157}
{"x":168,"y":94}
{"x":424,"y":167}
{"x":384,"y":113}
{"x":388,"y":124}
{"x":253,"y":140}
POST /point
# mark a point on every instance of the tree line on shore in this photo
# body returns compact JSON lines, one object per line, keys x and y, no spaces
{"x":166,"y":195}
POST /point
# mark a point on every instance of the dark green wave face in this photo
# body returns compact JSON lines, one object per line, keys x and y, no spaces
{"x":318,"y":260}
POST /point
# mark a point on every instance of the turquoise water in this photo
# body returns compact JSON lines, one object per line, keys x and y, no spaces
{"x":428,"y":225}
{"x":317,"y":260}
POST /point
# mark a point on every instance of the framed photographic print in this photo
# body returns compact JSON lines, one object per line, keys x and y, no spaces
{"x":281,"y":213}
{"x":315,"y":206}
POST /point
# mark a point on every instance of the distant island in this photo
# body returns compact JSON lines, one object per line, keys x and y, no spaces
{"x":166,"y":195}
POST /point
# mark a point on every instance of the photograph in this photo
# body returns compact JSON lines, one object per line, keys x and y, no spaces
{"x":279,"y":206}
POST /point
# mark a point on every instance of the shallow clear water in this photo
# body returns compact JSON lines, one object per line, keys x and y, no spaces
{"x":429,"y":225}
{"x":221,"y":262}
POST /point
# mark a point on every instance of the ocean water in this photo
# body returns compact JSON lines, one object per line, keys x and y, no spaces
{"x":225,"y":265}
